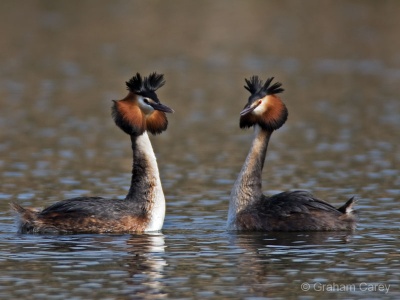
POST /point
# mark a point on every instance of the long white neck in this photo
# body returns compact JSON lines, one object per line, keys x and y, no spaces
{"x":146,"y":190}
{"x":247,"y":187}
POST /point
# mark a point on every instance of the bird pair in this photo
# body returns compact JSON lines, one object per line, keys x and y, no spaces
{"x":143,"y":209}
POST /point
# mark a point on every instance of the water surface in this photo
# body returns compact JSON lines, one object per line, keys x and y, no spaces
{"x":63,"y":63}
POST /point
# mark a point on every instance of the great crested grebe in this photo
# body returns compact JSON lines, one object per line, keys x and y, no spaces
{"x":249,"y":208}
{"x":143,"y":209}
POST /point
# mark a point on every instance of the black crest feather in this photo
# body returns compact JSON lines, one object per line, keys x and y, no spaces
{"x":253,"y":84}
{"x":257,"y":88}
{"x":149,"y":84}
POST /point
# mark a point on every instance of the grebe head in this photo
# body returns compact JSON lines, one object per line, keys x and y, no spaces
{"x":263,"y":107}
{"x":141,"y":109}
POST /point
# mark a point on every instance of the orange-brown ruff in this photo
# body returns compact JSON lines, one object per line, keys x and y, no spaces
{"x":143,"y":209}
{"x":135,"y":120}
{"x":249,"y":208}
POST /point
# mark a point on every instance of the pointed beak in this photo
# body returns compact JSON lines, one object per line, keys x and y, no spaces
{"x":162,"y":107}
{"x":249,"y":109}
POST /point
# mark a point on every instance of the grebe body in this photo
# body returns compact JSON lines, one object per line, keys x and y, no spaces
{"x":143,"y":209}
{"x":249,"y":208}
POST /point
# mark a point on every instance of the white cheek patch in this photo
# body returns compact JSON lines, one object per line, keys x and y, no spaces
{"x":260,"y":109}
{"x":146,"y":108}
